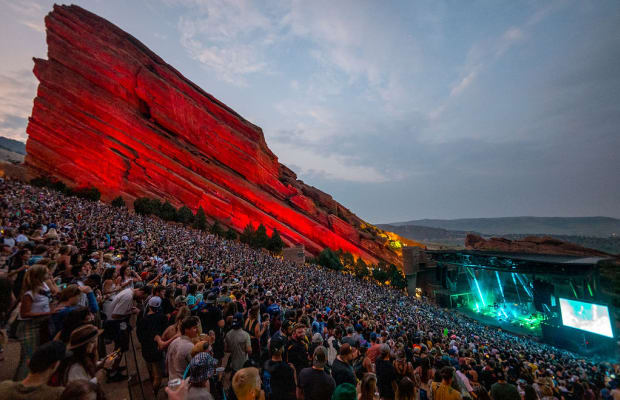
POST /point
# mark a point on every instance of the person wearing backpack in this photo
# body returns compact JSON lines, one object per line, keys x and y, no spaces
{"x":278,"y":376}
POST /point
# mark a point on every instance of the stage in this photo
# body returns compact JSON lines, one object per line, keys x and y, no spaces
{"x":521,"y":326}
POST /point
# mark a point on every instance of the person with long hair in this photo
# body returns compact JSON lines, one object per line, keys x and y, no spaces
{"x":34,"y":316}
{"x":175,"y":329}
{"x":424,"y":373}
{"x":84,"y":362}
{"x":368,"y":387}
{"x":406,"y":390}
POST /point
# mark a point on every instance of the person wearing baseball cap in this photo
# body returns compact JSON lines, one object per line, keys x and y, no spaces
{"x":42,"y":365}
{"x":278,"y":376}
{"x":150,"y":331}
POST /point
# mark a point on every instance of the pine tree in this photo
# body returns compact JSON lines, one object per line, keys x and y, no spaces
{"x":185,"y":215}
{"x":275,"y":244}
{"x":247,"y":236}
{"x":216,"y":229}
{"x":261,"y":240}
{"x":200,"y":219}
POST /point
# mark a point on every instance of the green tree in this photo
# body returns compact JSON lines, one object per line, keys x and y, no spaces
{"x":154,"y":207}
{"x":347,"y":259}
{"x":118,"y":202}
{"x":185,"y":215}
{"x":380,"y":274}
{"x":230,"y":234}
{"x":90,"y":193}
{"x":361,"y":269}
{"x":141,"y":206}
{"x":261,"y":240}
{"x":168,"y":212}
{"x":247,"y":236}
{"x":397,"y":279}
{"x":275,"y":243}
{"x":216,"y":229}
{"x":200,"y":219}
{"x":329,"y":259}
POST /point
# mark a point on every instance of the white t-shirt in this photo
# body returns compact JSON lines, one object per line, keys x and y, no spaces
{"x":77,"y":372}
{"x":9,"y":242}
{"x":122,"y":303}
{"x":21,"y":238}
{"x":40,"y":300}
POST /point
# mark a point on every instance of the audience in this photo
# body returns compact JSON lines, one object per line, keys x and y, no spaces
{"x":216,"y":311}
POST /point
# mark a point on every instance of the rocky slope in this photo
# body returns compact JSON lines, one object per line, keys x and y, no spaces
{"x":110,"y":113}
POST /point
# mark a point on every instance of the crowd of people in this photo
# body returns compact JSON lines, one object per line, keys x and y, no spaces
{"x":215,"y":319}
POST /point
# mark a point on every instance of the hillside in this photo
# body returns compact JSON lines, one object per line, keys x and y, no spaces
{"x":573,"y":226}
{"x":13,"y":146}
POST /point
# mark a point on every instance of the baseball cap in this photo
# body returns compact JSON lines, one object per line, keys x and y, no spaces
{"x":202,"y":367}
{"x":276,"y":345}
{"x":211,"y":298}
{"x":46,"y":355}
{"x":237,"y":320}
{"x":155,"y":302}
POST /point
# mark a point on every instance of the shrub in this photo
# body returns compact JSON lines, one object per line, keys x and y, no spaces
{"x":118,"y":202}
{"x":90,"y":193}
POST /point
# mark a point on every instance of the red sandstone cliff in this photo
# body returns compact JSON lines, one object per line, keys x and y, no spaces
{"x":531,"y":244}
{"x":110,"y":113}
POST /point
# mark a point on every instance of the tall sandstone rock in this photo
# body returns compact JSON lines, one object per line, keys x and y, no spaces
{"x":110,"y":113}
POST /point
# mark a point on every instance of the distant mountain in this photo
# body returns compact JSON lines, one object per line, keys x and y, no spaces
{"x":573,"y":226}
{"x":14,"y":146}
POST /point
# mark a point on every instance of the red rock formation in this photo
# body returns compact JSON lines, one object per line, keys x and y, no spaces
{"x":110,"y":113}
{"x":530,"y":244}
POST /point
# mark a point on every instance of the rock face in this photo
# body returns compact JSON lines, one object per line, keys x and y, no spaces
{"x":110,"y":113}
{"x":530,"y":244}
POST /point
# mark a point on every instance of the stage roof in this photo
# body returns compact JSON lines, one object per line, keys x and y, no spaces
{"x":517,"y":262}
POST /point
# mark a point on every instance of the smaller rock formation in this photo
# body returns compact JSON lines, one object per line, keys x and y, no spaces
{"x":530,"y":244}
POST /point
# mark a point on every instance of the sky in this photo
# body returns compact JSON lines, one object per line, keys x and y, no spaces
{"x":400,"y":109}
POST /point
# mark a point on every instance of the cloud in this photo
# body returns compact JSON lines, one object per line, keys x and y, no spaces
{"x":465,"y":82}
{"x":16,"y":103}
{"x":226,"y":37}
{"x":307,"y":162}
{"x":28,"y":13}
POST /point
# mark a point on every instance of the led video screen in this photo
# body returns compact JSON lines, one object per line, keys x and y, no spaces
{"x":586,"y":316}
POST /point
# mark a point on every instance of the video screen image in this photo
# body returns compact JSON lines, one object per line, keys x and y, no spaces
{"x":586,"y":316}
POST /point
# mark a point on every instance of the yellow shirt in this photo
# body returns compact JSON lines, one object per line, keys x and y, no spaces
{"x":445,"y":392}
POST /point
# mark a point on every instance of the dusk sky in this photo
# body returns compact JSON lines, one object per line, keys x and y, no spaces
{"x":399,"y":109}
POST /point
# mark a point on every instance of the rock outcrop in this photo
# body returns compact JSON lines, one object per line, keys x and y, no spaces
{"x":110,"y":113}
{"x":530,"y":244}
